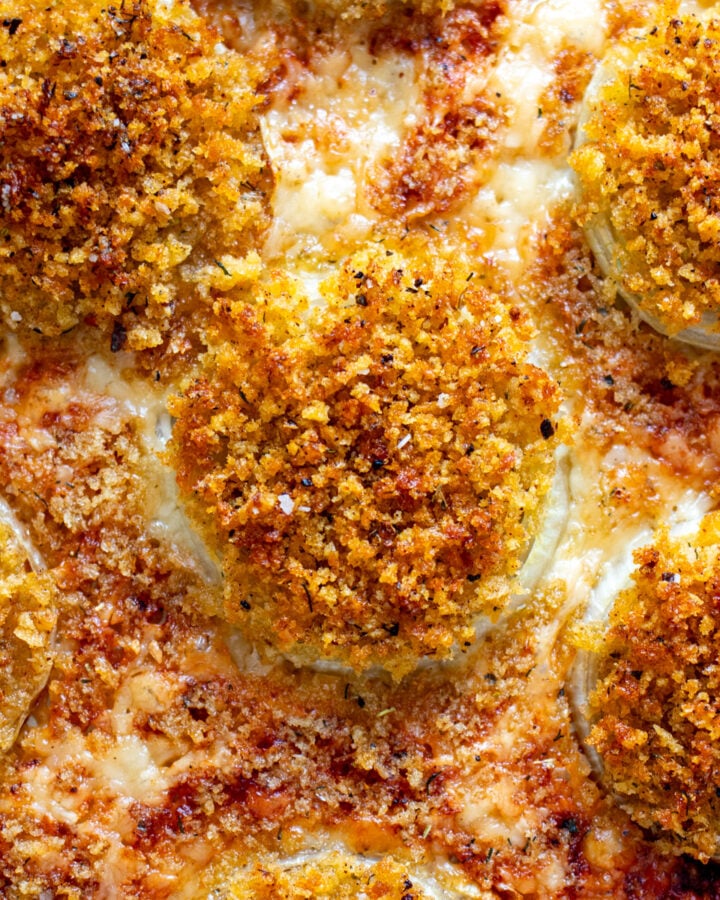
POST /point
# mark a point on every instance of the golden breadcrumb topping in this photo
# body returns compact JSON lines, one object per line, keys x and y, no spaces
{"x":28,"y":613}
{"x":129,"y":166}
{"x":650,"y":164}
{"x":336,"y":875}
{"x":375,"y":479}
{"x":572,"y":69}
{"x":655,"y":709}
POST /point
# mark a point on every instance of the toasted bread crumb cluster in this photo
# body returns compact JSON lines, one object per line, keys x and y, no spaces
{"x":374,"y":479}
{"x":337,"y":875}
{"x":28,"y":613}
{"x":655,"y":709}
{"x":650,"y":166}
{"x":129,"y":166}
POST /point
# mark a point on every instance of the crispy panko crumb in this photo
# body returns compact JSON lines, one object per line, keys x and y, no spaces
{"x":336,"y":875}
{"x":28,"y":614}
{"x":129,"y":166}
{"x":374,"y":479}
{"x":650,"y":165}
{"x":656,"y":711}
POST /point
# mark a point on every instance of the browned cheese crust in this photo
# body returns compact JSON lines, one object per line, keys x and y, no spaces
{"x":449,"y":151}
{"x":636,"y":385}
{"x":375,"y":480}
{"x":356,"y":467}
{"x":352,"y":10}
{"x":650,"y":166}
{"x":129,"y":167}
{"x":655,"y":710}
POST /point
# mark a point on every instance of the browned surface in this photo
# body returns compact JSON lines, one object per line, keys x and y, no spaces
{"x":650,"y":165}
{"x":374,"y":481}
{"x":447,"y":153}
{"x":655,"y":705}
{"x":478,"y":764}
{"x":130,"y":170}
{"x":660,"y":395}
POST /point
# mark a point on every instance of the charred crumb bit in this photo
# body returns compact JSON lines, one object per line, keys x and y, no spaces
{"x":547,"y":429}
{"x":430,"y":780}
{"x":118,"y":338}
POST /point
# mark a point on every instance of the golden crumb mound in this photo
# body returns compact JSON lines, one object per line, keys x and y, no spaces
{"x":129,"y":165}
{"x":374,"y":479}
{"x":28,"y":612}
{"x":336,"y":875}
{"x":649,"y":163}
{"x":656,"y":708}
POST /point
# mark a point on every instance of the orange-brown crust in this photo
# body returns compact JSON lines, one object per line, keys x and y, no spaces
{"x":572,"y":72}
{"x":664,"y":397}
{"x":649,"y":164}
{"x":28,"y":614}
{"x":477,"y":764}
{"x":130,"y":170}
{"x":446,"y":153}
{"x":339,"y":876}
{"x":656,"y":722}
{"x":278,"y":755}
{"x":374,"y":483}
